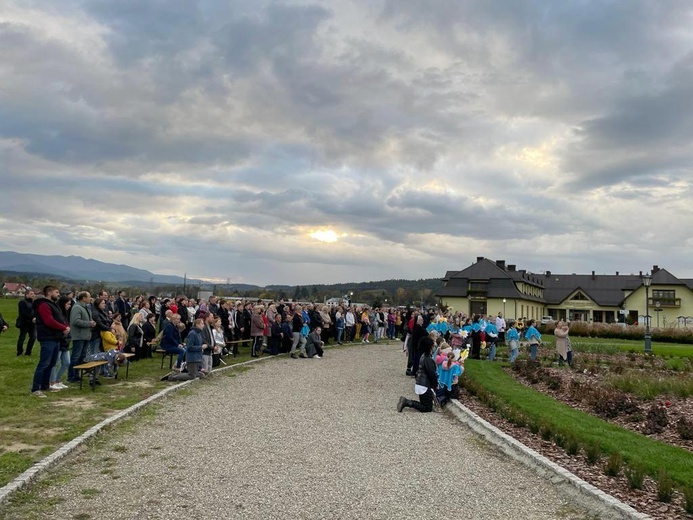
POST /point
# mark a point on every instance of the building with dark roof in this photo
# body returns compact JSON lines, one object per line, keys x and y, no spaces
{"x":490,"y":287}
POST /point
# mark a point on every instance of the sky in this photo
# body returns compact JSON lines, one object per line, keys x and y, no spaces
{"x":306,"y":142}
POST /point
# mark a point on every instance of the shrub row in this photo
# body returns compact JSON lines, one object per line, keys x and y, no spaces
{"x":615,"y":331}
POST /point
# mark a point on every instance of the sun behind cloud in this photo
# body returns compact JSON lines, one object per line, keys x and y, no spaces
{"x":324,"y":235}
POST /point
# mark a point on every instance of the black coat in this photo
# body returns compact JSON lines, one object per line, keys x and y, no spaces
{"x":427,"y":375}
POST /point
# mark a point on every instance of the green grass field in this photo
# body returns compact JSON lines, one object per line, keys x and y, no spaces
{"x":32,"y":427}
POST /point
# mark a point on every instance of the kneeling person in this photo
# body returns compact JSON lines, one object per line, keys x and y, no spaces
{"x":314,"y":344}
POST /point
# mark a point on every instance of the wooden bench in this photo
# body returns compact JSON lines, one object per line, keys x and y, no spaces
{"x":89,"y":367}
{"x":127,"y":365}
{"x":236,"y":342}
{"x":165,"y":353}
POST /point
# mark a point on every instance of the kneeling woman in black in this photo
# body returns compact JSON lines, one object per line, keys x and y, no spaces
{"x":426,"y":380}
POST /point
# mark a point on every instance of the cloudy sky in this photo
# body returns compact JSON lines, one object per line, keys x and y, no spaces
{"x":332,"y":141}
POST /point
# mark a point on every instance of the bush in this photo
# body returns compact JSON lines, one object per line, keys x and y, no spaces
{"x":533,"y":426}
{"x":656,"y":419}
{"x":614,"y":331}
{"x":554,"y":382}
{"x":520,"y":420}
{"x":635,"y":475}
{"x":665,"y":486}
{"x":592,"y":453}
{"x":612,"y":403}
{"x":576,"y":390}
{"x":684,"y":427}
{"x":688,"y":499}
{"x":572,"y":446}
{"x":559,"y":439}
{"x":546,"y":431}
{"x":613,"y":465}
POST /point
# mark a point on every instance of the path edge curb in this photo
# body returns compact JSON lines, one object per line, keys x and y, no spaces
{"x":537,"y":462}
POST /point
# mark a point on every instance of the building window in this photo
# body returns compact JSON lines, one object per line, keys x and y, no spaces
{"x":663,"y":295}
{"x":477,"y":287}
{"x":579,"y":296}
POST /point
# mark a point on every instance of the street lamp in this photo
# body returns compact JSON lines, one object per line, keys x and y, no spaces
{"x":647,"y":281}
{"x":658,"y":309}
{"x":504,"y":300}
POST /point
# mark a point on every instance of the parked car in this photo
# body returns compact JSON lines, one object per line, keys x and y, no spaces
{"x":547,"y":319}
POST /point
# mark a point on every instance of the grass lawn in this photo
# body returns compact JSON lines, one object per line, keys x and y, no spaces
{"x":587,"y":429}
{"x":32,"y":427}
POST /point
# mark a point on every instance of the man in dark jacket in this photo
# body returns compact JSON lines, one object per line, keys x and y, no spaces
{"x":51,"y":327}
{"x":25,"y":322}
{"x":124,"y":308}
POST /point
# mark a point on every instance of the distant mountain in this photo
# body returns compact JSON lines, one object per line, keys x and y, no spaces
{"x":78,"y":268}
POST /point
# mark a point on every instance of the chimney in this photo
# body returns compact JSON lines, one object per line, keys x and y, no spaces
{"x":655,"y":268}
{"x":501,"y":264}
{"x":593,"y":277}
{"x":511,"y":267}
{"x":479,"y":259}
{"x":616,"y":273}
{"x":640,"y":274}
{"x":548,"y":273}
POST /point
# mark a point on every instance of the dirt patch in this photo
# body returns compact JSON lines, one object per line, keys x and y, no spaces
{"x":27,"y":432}
{"x":140,"y":384}
{"x":17,"y":447}
{"x":75,"y":402}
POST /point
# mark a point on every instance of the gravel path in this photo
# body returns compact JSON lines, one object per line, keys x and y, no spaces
{"x":302,"y":438}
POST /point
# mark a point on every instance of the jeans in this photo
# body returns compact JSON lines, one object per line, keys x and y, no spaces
{"x":50,"y":350}
{"x":533,"y":352}
{"x":23,"y":332}
{"x":257,"y":346}
{"x":339,"y":335}
{"x":181,"y":354}
{"x":80,"y":348}
{"x":298,"y":339}
{"x":492,"y":352}
{"x":569,"y":356}
{"x":94,"y":346}
{"x":58,"y":373}
{"x":391,"y":330}
{"x":513,"y":354}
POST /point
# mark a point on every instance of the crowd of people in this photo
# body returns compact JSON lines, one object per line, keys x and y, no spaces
{"x":437,"y":343}
{"x":76,"y":327}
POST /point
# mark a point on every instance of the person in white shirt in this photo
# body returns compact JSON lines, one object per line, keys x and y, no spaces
{"x":500,"y":325}
{"x":350,"y":324}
